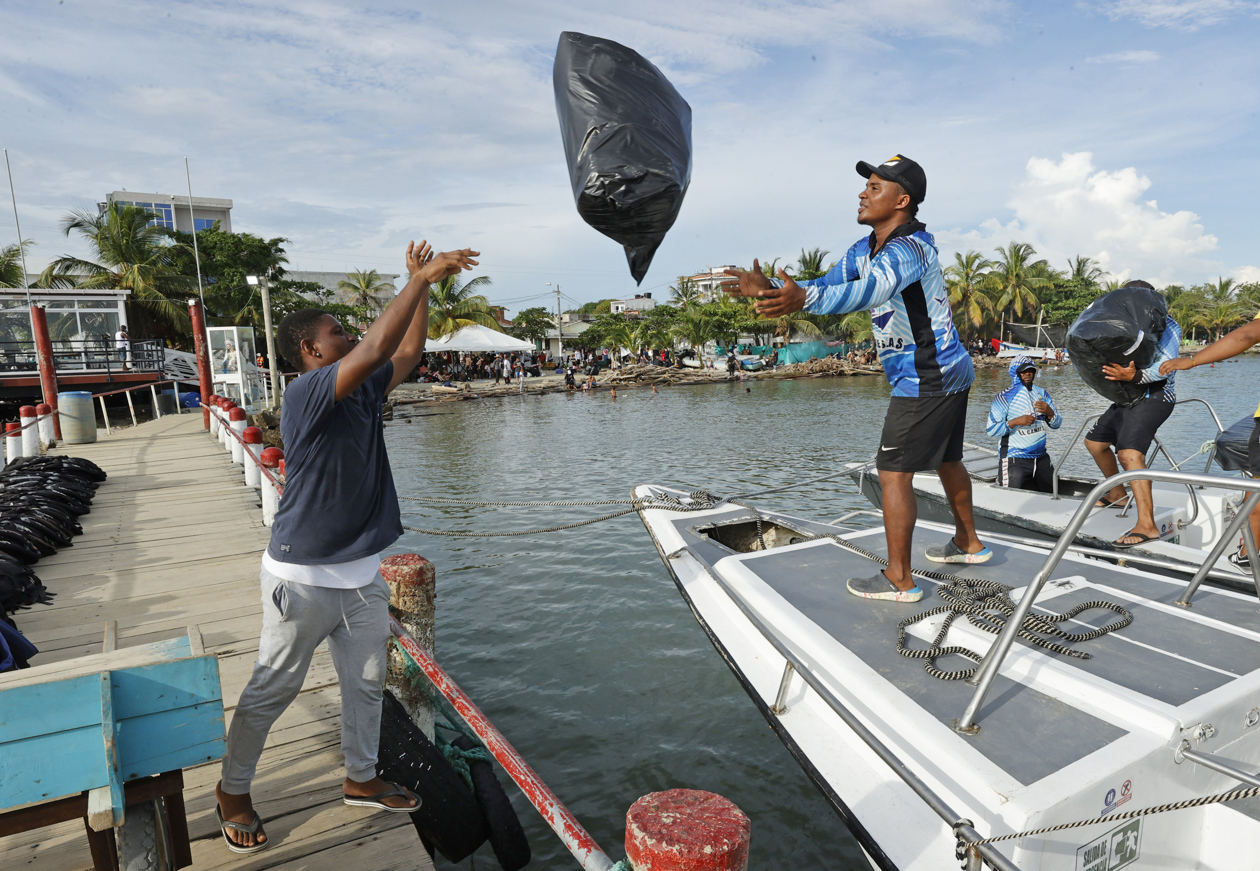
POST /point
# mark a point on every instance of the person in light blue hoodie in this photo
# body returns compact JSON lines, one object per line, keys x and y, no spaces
{"x":1020,"y":416}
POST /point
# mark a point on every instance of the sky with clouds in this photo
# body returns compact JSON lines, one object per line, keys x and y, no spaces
{"x":1119,"y":129}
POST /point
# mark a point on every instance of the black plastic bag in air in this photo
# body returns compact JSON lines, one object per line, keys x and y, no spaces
{"x":449,"y":817}
{"x":1231,"y":446}
{"x":627,"y":142}
{"x":1121,"y":327}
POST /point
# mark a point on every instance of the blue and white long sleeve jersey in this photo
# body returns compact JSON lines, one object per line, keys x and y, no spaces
{"x":904,"y":290}
{"x":1168,"y":348}
{"x":1017,"y":401}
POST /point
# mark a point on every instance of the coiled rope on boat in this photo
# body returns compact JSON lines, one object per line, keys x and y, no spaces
{"x":987,"y":605}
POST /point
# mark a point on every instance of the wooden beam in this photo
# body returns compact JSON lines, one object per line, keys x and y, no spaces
{"x":106,"y":805}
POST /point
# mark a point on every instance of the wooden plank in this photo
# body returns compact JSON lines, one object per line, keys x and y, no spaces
{"x":131,"y":657}
{"x":107,"y":811}
{"x":111,"y":637}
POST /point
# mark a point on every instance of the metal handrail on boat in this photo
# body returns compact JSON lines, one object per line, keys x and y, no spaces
{"x":962,"y":828}
{"x":1054,"y":478}
{"x":987,"y":671}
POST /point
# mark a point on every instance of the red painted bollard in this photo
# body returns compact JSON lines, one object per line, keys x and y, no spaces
{"x":686,"y":830}
{"x":237,"y":422}
{"x":30,"y":431}
{"x":46,"y":427}
{"x":253,"y":438}
{"x":271,"y":459}
{"x":12,"y":441}
{"x":211,"y":407}
{"x":412,"y":586}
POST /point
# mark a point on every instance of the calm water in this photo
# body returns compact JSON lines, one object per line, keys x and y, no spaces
{"x":578,"y":645}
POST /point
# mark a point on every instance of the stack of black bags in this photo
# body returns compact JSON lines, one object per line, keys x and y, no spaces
{"x":41,"y":499}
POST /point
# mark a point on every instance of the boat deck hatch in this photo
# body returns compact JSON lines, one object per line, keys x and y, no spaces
{"x":741,"y":536}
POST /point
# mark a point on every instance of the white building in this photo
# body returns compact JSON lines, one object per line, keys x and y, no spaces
{"x":642,"y":302}
{"x":709,"y":282}
{"x":172,"y":210}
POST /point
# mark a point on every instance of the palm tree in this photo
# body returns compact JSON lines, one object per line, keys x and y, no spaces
{"x":620,"y":336}
{"x":858,"y":326}
{"x":1113,"y":284}
{"x":1085,"y":270}
{"x":695,"y":328}
{"x":811,"y":264}
{"x":686,"y":292}
{"x":366,"y":289}
{"x":1014,"y":279}
{"x":130,"y":252}
{"x":11,"y":273}
{"x":796,"y":324}
{"x":454,"y":305}
{"x":1219,"y":316}
{"x":969,"y":281}
{"x":1221,"y":291}
{"x":650,"y":335}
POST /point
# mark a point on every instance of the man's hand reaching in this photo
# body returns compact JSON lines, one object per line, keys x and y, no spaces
{"x":772,"y":302}
{"x":439,"y":266}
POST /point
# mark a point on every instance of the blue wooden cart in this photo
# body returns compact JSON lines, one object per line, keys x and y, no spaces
{"x":90,"y":736}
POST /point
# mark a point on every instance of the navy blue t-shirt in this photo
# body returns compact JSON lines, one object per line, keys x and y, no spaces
{"x":339,"y":500}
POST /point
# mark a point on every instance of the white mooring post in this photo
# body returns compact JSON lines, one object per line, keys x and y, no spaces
{"x":271,"y":460}
{"x":252,"y":436}
{"x":47,"y":432}
{"x":30,"y":431}
{"x":236,"y":420}
{"x":212,"y":404}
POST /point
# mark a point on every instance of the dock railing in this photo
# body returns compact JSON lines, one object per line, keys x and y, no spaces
{"x":987,"y":672}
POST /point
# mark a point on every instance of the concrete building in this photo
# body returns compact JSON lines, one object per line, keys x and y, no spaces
{"x":642,"y":302}
{"x":570,"y":328}
{"x":172,"y":210}
{"x":710,"y":281}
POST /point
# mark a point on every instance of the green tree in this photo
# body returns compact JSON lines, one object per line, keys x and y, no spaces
{"x":694,"y":327}
{"x":454,"y":305}
{"x":810,"y":265}
{"x":129,"y":252}
{"x":1219,"y":316}
{"x":685,"y":293}
{"x":1016,"y":278}
{"x":226,"y":260}
{"x":366,"y":288}
{"x":532,"y":324}
{"x":858,"y":326}
{"x":11,"y":274}
{"x":1086,"y":270}
{"x":969,"y":282}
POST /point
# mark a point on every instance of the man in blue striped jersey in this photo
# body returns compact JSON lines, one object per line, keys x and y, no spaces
{"x":1129,"y":430}
{"x":1019,"y":415}
{"x":895,"y":274}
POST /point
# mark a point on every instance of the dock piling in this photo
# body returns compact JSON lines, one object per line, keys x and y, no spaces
{"x":271,"y":459}
{"x":412,"y":585}
{"x":47,"y":429}
{"x":30,"y":431}
{"x":686,"y":829}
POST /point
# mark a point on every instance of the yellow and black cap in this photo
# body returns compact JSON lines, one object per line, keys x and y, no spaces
{"x":903,"y":171}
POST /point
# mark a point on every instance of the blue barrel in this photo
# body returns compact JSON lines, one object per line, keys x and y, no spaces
{"x":78,"y":417}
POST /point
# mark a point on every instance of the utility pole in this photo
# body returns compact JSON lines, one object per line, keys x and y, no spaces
{"x":559,"y":328}
{"x":277,"y":387}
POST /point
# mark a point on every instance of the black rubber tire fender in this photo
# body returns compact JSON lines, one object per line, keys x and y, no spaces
{"x":507,"y":836}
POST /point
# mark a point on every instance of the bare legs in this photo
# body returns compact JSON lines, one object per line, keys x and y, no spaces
{"x":1142,"y":495}
{"x":901,"y":512}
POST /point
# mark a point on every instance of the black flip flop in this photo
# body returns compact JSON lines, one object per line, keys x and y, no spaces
{"x":1143,"y":539}
{"x":1111,"y":503}
{"x":250,"y":829}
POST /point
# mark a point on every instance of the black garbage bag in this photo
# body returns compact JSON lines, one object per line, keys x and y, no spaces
{"x":627,"y":142}
{"x":1120,"y":327}
{"x":449,"y":817}
{"x":1231,"y":446}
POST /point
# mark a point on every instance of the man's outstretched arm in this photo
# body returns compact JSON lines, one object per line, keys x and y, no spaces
{"x":383,"y":338}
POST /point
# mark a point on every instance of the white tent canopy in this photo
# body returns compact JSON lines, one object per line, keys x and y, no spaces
{"x":477,"y":339}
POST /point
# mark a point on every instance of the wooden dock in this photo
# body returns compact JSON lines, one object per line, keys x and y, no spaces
{"x":174,"y":539}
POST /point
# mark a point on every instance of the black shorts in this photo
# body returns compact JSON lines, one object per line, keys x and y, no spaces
{"x":1132,"y":428}
{"x":922,"y":432}
{"x":1253,"y":451}
{"x":1026,"y":473}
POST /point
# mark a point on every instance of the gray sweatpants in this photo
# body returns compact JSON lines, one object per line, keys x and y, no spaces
{"x":296,"y":618}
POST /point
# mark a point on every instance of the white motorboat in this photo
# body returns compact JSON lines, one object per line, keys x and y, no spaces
{"x":1164,"y":711}
{"x":1190,"y":519}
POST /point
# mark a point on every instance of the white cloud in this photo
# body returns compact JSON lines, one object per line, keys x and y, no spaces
{"x":1125,"y":57}
{"x":1177,"y":14}
{"x":1069,"y":207}
{"x":1247,"y":274}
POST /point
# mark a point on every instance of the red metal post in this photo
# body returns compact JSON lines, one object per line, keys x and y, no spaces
{"x":47,"y":364}
{"x":686,"y":830}
{"x":203,"y":356}
{"x":561,"y":820}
